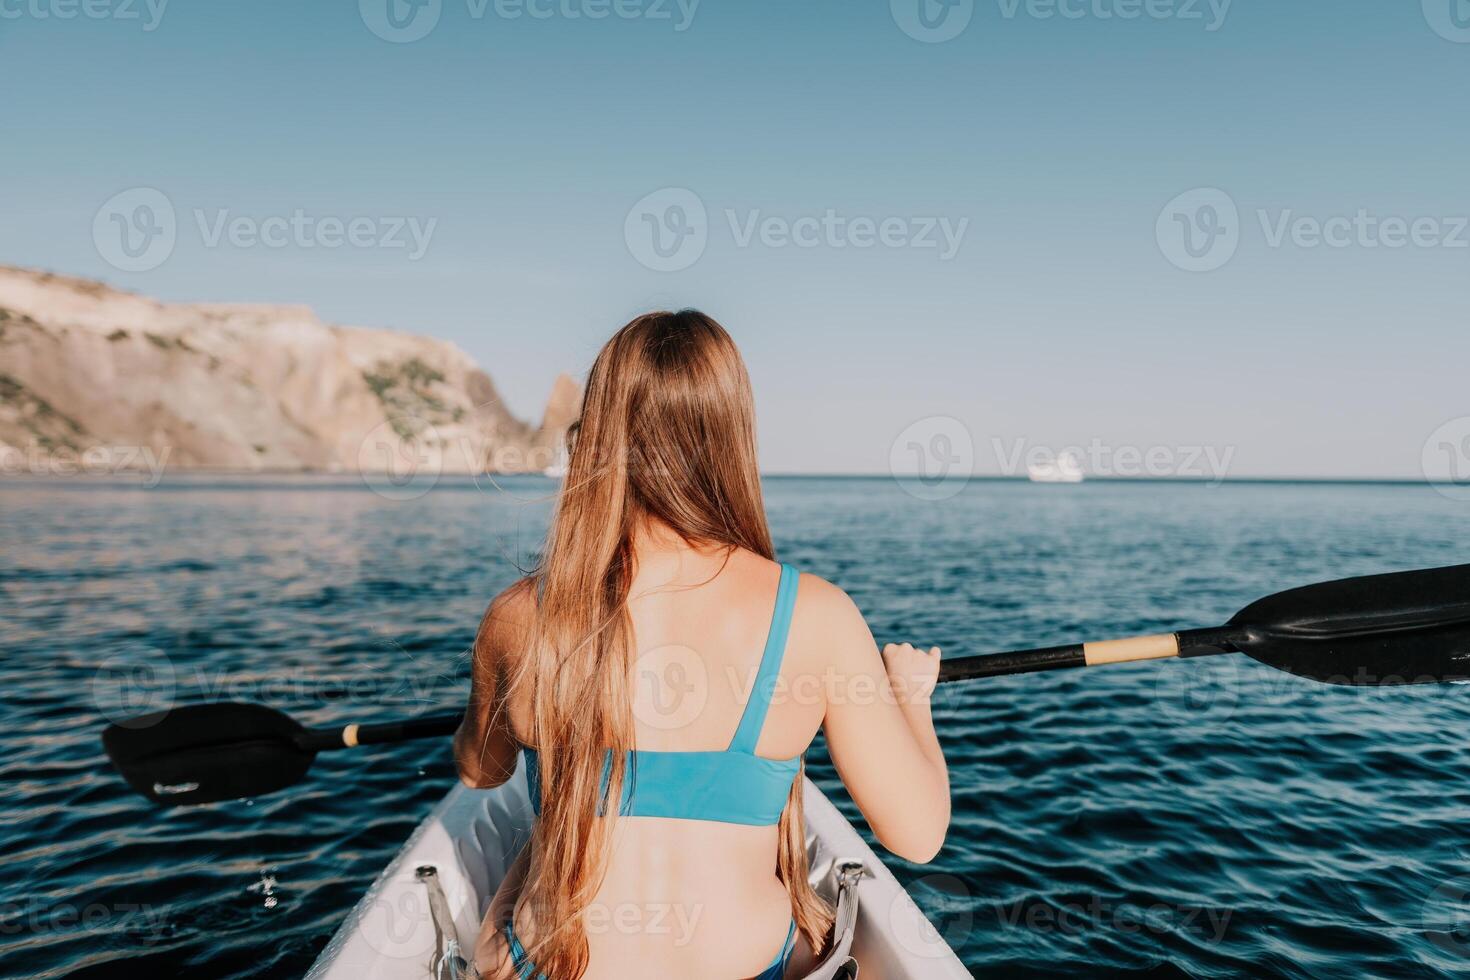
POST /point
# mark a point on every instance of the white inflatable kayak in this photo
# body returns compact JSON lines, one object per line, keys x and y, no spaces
{"x":471,"y":837}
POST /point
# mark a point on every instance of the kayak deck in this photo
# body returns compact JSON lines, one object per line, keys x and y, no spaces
{"x":472,"y":836}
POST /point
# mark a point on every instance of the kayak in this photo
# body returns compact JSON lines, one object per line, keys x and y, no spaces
{"x":424,"y":910}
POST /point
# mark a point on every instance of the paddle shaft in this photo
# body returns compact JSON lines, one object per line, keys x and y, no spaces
{"x":349,"y":736}
{"x":1186,"y":643}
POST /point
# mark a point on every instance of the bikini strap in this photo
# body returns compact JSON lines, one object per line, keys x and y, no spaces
{"x":764,"y":688}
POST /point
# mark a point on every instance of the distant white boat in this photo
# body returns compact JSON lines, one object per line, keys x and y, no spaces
{"x":558,"y":468}
{"x":1066,"y":468}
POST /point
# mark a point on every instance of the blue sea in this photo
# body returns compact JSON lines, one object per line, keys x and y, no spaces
{"x":1211,"y":818}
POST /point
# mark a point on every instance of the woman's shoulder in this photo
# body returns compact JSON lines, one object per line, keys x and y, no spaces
{"x":516,"y":601}
{"x":819,"y":603}
{"x":509,"y":618}
{"x":826,"y":614}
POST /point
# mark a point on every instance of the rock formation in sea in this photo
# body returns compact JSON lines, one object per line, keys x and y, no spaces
{"x":91,"y":375}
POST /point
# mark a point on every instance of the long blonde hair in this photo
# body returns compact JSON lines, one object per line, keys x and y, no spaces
{"x":667,"y":433}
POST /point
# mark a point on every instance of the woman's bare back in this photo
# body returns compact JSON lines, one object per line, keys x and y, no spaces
{"x":694,"y":897}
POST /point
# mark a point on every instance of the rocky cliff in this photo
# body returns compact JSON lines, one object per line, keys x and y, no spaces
{"x":90,"y":375}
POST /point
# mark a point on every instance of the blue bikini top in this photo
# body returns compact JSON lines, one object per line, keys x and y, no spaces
{"x":733,"y":786}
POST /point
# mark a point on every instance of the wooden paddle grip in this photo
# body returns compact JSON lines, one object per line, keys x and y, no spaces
{"x":1155,"y":647}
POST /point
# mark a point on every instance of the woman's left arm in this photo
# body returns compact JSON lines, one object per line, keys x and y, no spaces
{"x":484,"y":748}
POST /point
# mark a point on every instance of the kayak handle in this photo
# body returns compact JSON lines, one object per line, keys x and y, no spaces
{"x":350,"y":736}
{"x":1160,"y":646}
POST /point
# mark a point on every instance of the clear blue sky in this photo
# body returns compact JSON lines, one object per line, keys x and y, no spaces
{"x":1059,"y":139}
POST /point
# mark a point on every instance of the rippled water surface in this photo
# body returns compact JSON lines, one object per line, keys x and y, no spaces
{"x":1205,"y":819}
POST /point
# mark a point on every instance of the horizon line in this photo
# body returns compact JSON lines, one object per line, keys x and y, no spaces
{"x":346,"y":476}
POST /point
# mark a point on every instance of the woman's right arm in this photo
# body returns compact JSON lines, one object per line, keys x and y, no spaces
{"x":879,"y":730}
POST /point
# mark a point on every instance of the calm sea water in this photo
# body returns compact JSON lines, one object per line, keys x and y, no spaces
{"x":1203,"y":819}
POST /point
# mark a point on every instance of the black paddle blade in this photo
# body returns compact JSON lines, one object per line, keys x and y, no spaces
{"x":206,"y":753}
{"x":1401,"y":628}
